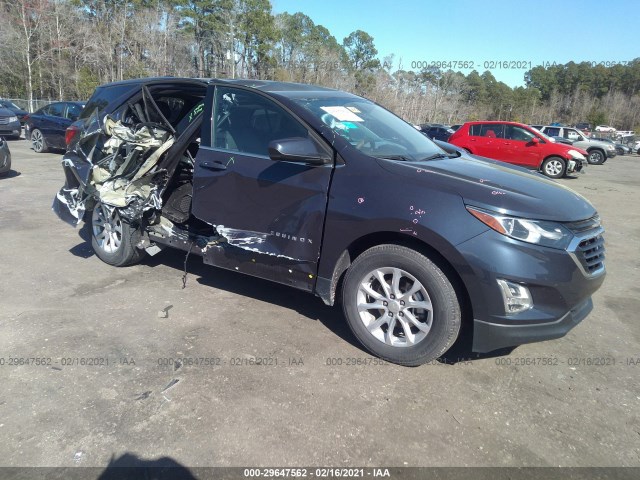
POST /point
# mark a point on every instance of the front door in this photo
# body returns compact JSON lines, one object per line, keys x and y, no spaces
{"x":518,"y":147}
{"x":270,"y":213}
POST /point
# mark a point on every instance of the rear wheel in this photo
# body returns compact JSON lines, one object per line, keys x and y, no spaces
{"x":400,"y":305}
{"x":114,"y":240}
{"x":596,"y":157}
{"x":554,"y":167}
{"x":38,"y":143}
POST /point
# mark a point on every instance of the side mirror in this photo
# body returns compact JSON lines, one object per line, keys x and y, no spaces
{"x":535,"y":140}
{"x":299,"y":150}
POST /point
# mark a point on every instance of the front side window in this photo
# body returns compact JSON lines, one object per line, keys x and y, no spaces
{"x":572,"y":134}
{"x":513,"y":132}
{"x":247,"y":122}
{"x":368,"y":127}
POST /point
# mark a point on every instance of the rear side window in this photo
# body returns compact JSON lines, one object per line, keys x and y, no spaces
{"x":489,"y":130}
{"x":73,"y":111}
{"x":552,"y":132}
{"x":104,"y":97}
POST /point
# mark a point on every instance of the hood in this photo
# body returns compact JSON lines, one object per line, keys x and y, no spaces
{"x":5,"y":112}
{"x":566,"y":147}
{"x":497,"y":186}
{"x":600,"y":143}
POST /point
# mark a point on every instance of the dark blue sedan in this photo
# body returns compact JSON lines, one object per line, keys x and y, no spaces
{"x":46,"y":127}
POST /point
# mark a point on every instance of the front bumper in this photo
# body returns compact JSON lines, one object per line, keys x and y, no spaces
{"x":611,"y":153}
{"x":11,"y":129}
{"x":560,"y":282}
{"x":492,"y":336}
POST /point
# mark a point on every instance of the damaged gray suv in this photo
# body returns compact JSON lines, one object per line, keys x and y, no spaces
{"x":332,"y":194}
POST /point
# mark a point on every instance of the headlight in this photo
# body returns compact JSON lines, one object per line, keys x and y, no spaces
{"x":13,"y":119}
{"x":576,"y":154}
{"x":539,"y":232}
{"x":611,"y":147}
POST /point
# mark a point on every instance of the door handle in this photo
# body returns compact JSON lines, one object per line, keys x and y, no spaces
{"x":213,"y":165}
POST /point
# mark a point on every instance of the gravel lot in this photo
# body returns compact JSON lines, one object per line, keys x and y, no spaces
{"x":307,"y":404}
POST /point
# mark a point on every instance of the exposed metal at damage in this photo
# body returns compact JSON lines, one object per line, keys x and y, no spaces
{"x":122,"y":170}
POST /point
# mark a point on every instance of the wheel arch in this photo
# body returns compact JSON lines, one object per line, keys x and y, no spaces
{"x":328,"y":289}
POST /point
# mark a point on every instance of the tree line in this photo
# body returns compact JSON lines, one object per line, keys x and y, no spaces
{"x":63,"y":49}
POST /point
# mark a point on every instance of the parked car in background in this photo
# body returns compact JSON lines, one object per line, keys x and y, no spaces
{"x":521,"y":145}
{"x":620,"y":148}
{"x":46,"y":127}
{"x":291,"y":183}
{"x":9,"y":124}
{"x":437,"y":132}
{"x":20,"y":113}
{"x":456,"y":126}
{"x":5,"y":157}
{"x":605,"y":128}
{"x":585,"y":127}
{"x":598,"y":152}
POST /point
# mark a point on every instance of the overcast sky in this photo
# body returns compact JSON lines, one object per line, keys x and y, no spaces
{"x":479,"y":31}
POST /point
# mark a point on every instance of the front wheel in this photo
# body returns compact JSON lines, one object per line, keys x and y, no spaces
{"x":114,"y":240}
{"x":554,"y":167}
{"x":596,"y":157}
{"x":400,"y":305}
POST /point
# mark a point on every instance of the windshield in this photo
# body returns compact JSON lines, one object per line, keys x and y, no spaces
{"x":370,"y":128}
{"x":543,"y":135}
{"x":8,"y":104}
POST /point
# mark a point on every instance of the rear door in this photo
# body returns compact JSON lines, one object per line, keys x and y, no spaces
{"x":484,"y":139}
{"x":46,"y":122}
{"x":58,"y":124}
{"x":271,"y":214}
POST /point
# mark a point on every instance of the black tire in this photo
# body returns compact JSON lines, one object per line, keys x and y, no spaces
{"x":444,"y":319}
{"x":554,"y":167}
{"x":596,"y":157}
{"x":114,"y":244}
{"x":39,"y":144}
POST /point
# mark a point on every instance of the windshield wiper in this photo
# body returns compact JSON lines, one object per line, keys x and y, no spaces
{"x":393,"y":157}
{"x":435,"y":156}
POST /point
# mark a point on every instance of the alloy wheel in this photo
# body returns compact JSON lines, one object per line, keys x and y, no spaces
{"x":107,"y":228}
{"x":553,"y":168}
{"x":37,"y":140}
{"x":394,"y":307}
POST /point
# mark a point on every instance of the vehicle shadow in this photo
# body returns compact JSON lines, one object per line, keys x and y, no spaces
{"x":10,"y":174}
{"x":83,"y":249}
{"x":304,"y":303}
{"x":461,"y":350}
{"x":129,"y":467}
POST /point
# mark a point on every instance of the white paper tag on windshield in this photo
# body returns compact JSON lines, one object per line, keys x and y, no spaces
{"x":343,"y":114}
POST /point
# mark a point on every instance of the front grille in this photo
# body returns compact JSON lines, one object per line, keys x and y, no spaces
{"x":588,"y":246}
{"x":584,"y":225}
{"x":4,"y":120}
{"x":590,"y":253}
